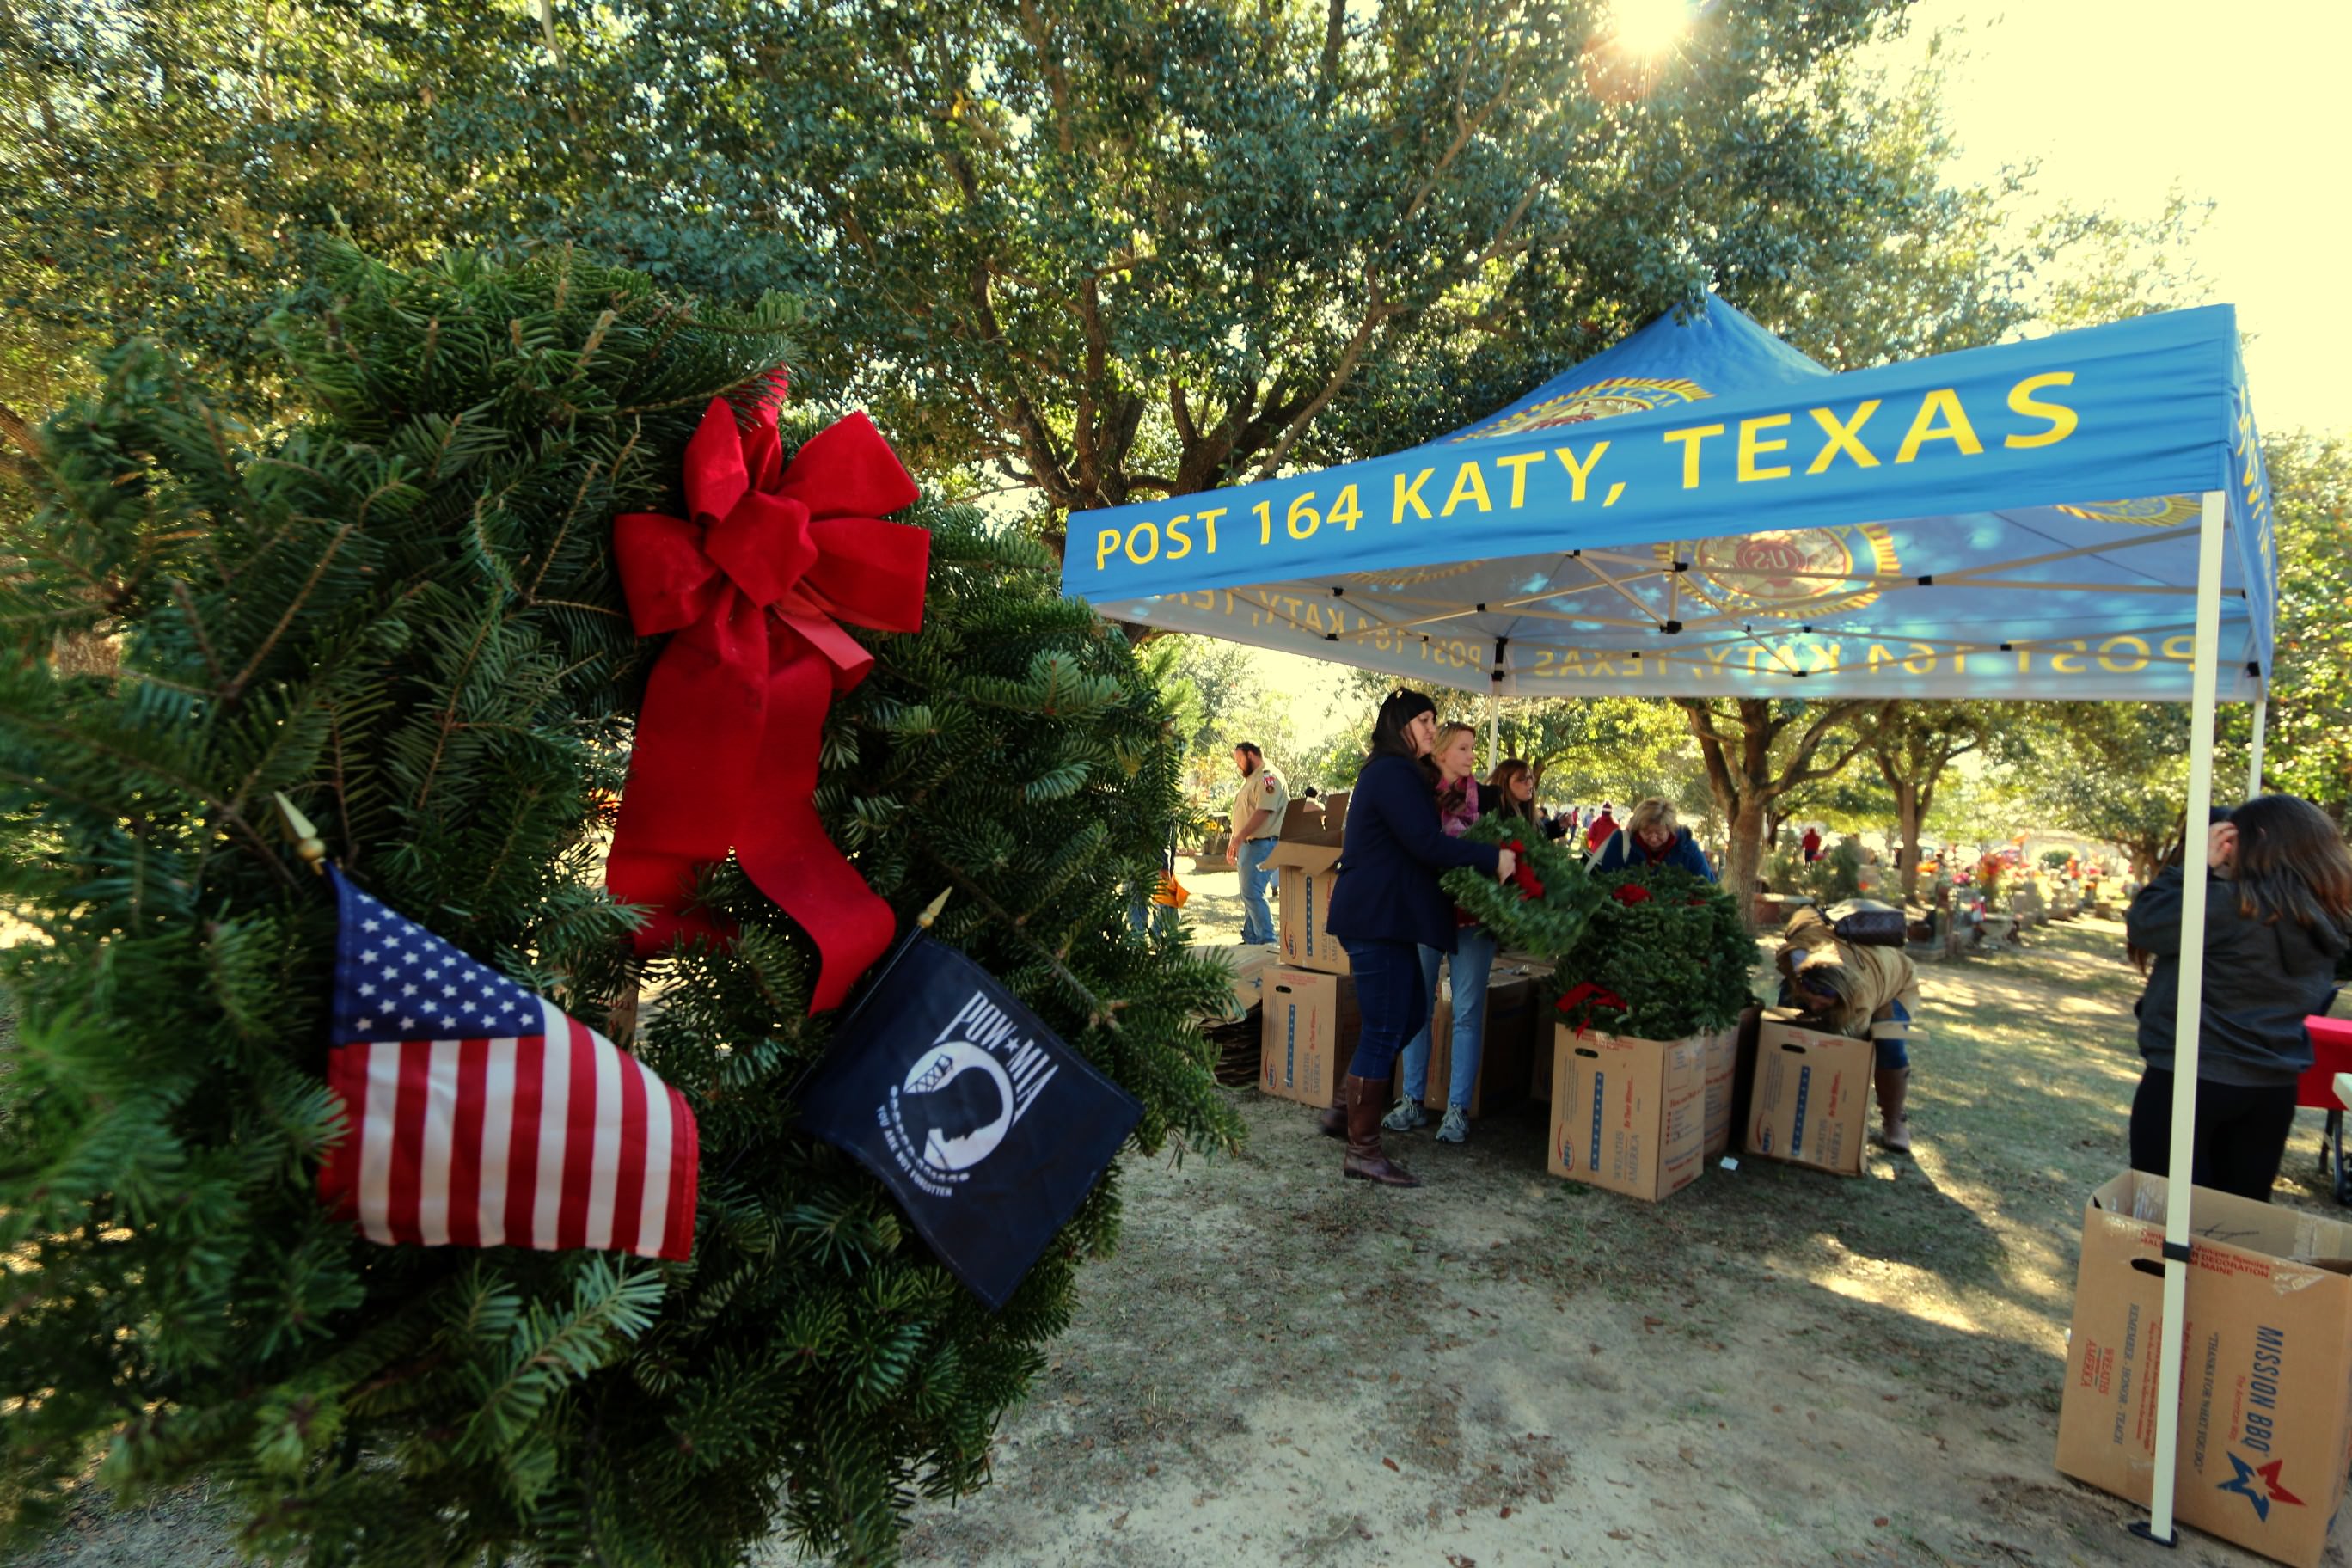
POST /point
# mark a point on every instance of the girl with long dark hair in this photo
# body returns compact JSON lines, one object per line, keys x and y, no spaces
{"x":1387,"y":904}
{"x":1510,"y":792}
{"x":2278,"y":903}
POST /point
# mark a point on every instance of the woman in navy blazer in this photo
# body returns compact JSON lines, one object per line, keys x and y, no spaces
{"x":1388,"y":905}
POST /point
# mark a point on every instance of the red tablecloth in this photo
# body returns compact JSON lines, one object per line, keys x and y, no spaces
{"x":2331,"y":1053}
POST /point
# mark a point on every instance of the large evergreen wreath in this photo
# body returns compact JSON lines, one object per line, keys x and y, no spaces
{"x":402,"y":613}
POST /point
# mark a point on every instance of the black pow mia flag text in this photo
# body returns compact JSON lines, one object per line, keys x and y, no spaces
{"x":988,"y":1129}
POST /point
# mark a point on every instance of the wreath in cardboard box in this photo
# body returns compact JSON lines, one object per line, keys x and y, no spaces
{"x":1663,"y":957}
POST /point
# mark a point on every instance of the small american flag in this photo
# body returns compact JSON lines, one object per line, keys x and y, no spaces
{"x":477,"y":1115}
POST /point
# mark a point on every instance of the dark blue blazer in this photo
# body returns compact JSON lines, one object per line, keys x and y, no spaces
{"x":1621,"y":854}
{"x":1389,"y":857}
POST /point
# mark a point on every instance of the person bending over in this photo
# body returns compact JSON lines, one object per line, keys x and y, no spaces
{"x":1865,"y":993}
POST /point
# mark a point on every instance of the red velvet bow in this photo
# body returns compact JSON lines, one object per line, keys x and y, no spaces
{"x":754,"y":584}
{"x":1601,"y":996}
{"x":1523,"y":876}
{"x":1631,"y":893}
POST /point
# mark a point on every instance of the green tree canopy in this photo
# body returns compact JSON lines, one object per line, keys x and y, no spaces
{"x":1108,"y":251}
{"x":2309,"y":744}
{"x":2116,"y":771}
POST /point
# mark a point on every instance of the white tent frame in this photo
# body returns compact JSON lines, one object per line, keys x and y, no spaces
{"x":2188,"y":1016}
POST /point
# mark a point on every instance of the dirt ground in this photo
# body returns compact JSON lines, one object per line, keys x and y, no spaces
{"x":1773,"y":1367}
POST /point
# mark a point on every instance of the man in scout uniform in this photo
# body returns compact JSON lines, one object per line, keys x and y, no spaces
{"x":1257,"y":820}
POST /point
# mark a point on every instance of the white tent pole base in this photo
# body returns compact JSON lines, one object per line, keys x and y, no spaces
{"x":2159,"y":1524}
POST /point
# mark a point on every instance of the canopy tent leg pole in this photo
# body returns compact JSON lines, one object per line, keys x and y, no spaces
{"x":2204,"y":679}
{"x":1494,"y":729}
{"x":2255,"y":761}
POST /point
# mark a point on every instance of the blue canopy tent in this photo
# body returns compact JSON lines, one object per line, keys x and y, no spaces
{"x":1702,"y":511}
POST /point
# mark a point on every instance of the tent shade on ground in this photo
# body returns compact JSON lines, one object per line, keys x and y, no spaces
{"x":1702,"y":511}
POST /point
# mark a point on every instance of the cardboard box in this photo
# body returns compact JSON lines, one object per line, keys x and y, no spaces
{"x":1246,"y":965}
{"x":2266,"y":1390}
{"x":1512,"y":1004}
{"x":1809,"y":1103}
{"x":1305,"y":851}
{"x":1627,"y":1114}
{"x":1311,"y":1024}
{"x":1722,"y":1074}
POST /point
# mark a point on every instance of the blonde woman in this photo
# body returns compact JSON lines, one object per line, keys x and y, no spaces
{"x":1459,"y":805}
{"x":1651,"y":838}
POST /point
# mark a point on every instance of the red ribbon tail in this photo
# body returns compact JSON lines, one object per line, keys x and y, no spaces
{"x":783,"y":845}
{"x":665,"y":883}
{"x":691,"y":774}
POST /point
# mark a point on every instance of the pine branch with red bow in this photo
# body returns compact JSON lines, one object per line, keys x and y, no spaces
{"x":1542,"y":907}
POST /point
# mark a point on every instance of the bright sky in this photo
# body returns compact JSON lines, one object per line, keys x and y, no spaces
{"x":2106,"y":94}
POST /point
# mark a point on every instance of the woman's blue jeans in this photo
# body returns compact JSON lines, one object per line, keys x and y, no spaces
{"x":1393,"y":998}
{"x":1474,"y":961}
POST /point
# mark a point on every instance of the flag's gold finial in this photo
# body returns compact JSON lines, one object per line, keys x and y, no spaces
{"x":924,"y":919}
{"x":306,"y":843}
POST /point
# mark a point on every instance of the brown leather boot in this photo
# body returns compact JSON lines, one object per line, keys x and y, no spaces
{"x":1332,"y":1120}
{"x":1364,"y":1161}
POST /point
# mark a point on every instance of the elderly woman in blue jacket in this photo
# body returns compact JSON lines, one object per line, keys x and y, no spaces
{"x":1651,"y":837}
{"x":1387,"y":906}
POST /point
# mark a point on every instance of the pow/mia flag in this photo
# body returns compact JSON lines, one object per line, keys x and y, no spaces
{"x":988,"y":1129}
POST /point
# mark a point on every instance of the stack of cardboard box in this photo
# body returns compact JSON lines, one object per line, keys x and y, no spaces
{"x":1311,"y":1021}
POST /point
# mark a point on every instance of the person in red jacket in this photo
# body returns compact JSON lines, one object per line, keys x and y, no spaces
{"x":1604,"y":827}
{"x":1812,"y":842}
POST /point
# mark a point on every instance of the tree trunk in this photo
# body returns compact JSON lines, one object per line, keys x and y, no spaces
{"x":1908,"y":813}
{"x":1745,"y":855}
{"x":1746,"y":786}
